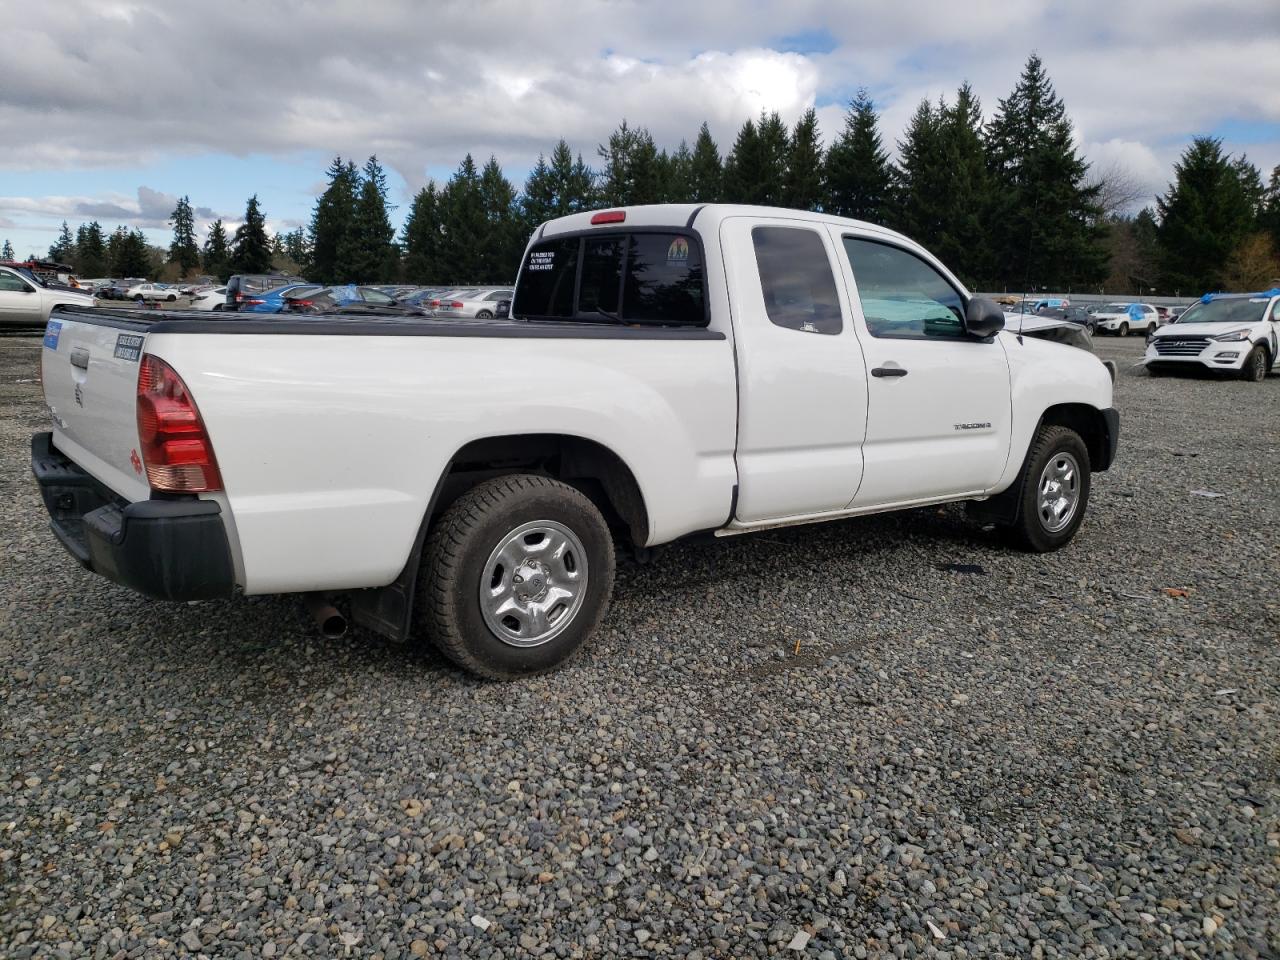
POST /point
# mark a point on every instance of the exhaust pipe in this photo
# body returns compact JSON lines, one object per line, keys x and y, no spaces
{"x":328,"y":618}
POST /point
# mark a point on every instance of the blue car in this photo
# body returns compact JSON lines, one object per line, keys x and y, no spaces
{"x":273,"y":301}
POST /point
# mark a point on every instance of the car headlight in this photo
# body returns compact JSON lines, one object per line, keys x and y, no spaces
{"x":1233,"y":335}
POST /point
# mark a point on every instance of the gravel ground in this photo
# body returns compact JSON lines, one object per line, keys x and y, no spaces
{"x":815,"y":742}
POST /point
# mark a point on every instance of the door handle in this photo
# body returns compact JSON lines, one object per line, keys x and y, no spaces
{"x":888,"y":372}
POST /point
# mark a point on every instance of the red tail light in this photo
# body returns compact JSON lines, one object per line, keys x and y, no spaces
{"x":433,"y":304}
{"x":175,"y":445}
{"x":301,"y":304}
{"x":250,"y":301}
{"x":456,"y":305}
{"x":609,"y":216}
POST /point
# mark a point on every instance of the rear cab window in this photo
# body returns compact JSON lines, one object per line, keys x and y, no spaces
{"x":638,"y":277}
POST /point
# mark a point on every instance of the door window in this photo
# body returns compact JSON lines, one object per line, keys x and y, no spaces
{"x":796,"y":280}
{"x":902,"y":296}
{"x":12,"y":282}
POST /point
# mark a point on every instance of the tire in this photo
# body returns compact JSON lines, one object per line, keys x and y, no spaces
{"x":1123,"y":330}
{"x":171,"y":298}
{"x":462,"y":563}
{"x":139,"y":299}
{"x":484,"y":315}
{"x":1255,"y":365}
{"x":1036,"y":527}
{"x":1151,"y":328}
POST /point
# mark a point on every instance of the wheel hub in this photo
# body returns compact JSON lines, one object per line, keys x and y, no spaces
{"x":534,"y":583}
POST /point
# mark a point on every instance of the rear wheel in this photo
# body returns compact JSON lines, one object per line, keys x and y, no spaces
{"x":1123,"y":330}
{"x":171,"y":298}
{"x":1255,"y":365}
{"x":138,"y":299}
{"x":1055,"y":490}
{"x":484,"y":315}
{"x":1151,"y":328}
{"x":516,"y":576}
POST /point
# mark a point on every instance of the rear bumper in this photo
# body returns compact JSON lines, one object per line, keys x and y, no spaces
{"x":168,"y":549}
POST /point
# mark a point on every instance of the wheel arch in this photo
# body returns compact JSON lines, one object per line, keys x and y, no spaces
{"x":1092,"y":426}
{"x":599,"y":472}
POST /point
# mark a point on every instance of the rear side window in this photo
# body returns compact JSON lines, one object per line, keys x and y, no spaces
{"x":796,"y":280}
{"x":635,"y":278}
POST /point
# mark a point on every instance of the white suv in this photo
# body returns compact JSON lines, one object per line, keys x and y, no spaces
{"x":1235,"y":331}
{"x":1120,"y":318}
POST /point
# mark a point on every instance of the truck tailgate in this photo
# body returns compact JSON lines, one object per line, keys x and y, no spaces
{"x":90,"y":374}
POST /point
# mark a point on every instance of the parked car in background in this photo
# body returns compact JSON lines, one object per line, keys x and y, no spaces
{"x":1036,"y":304}
{"x":215,"y":298}
{"x":325,"y":299}
{"x":119,"y":289}
{"x":421,"y":297}
{"x":274,"y":301}
{"x":247,"y":286}
{"x":1122,"y":318}
{"x":479,"y":304}
{"x":26,"y":302}
{"x":151,"y":292}
{"x":1238,"y":332}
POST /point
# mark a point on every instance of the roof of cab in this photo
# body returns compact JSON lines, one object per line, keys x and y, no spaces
{"x":701,"y":215}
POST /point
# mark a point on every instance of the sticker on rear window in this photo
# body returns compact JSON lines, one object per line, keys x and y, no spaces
{"x":129,"y":346}
{"x":51,"y":334}
{"x":542,"y":260}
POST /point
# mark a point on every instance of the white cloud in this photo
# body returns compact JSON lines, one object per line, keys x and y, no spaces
{"x":92,"y":85}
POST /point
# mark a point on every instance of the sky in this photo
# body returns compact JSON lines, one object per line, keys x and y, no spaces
{"x":113,"y":108}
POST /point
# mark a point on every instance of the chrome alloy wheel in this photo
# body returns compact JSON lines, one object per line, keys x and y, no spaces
{"x":1059,"y":492}
{"x":533,"y":583}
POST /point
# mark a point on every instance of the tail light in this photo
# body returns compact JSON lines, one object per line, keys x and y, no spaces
{"x":609,"y":216}
{"x":249,"y":301}
{"x":175,"y":445}
{"x":456,"y":305}
{"x":301,"y":304}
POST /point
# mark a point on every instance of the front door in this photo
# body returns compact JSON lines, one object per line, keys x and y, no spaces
{"x":802,"y":392}
{"x":939,"y":418}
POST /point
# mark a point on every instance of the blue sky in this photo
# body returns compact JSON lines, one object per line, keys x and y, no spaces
{"x":120,"y":106}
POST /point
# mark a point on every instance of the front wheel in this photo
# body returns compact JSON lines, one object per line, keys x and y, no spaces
{"x":171,"y":298}
{"x":1055,"y":490}
{"x":516,"y":576}
{"x":1255,"y":366}
{"x":1124,"y":330}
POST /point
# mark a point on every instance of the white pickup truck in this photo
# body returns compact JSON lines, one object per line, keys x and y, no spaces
{"x":667,"y":371}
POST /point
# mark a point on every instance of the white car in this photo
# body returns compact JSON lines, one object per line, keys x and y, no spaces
{"x":1123,"y":318}
{"x":1238,"y":332}
{"x":477,"y":304}
{"x":718,"y":370}
{"x":211,"y":299}
{"x":151,"y":291}
{"x":26,"y":302}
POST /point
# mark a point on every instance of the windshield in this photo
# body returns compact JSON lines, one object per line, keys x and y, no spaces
{"x":1233,"y":310}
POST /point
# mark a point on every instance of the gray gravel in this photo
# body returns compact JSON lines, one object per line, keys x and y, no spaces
{"x":807,"y":743}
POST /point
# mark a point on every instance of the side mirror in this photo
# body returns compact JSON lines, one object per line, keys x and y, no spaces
{"x":983,"y":318}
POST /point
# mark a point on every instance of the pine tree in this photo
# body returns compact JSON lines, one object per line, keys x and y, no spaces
{"x":573,"y":182}
{"x":504,"y":237}
{"x":922,"y":204}
{"x":423,"y":239}
{"x":538,"y":199}
{"x":463,"y":226}
{"x":366,"y":250}
{"x":1269,"y":220}
{"x":251,"y":248}
{"x":183,"y":250}
{"x":962,"y":241}
{"x":217,"y":260}
{"x":91,"y":253}
{"x":679,"y":185}
{"x":706,"y":172}
{"x":333,"y":217}
{"x":1204,"y":216}
{"x":1050,"y":222}
{"x":631,"y":171}
{"x":805,"y":187}
{"x":6,"y":253}
{"x":297,"y":248}
{"x":64,"y":248}
{"x":128,"y":254}
{"x":859,"y":177}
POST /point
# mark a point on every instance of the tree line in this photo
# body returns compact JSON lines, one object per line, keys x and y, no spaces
{"x":1008,"y":203}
